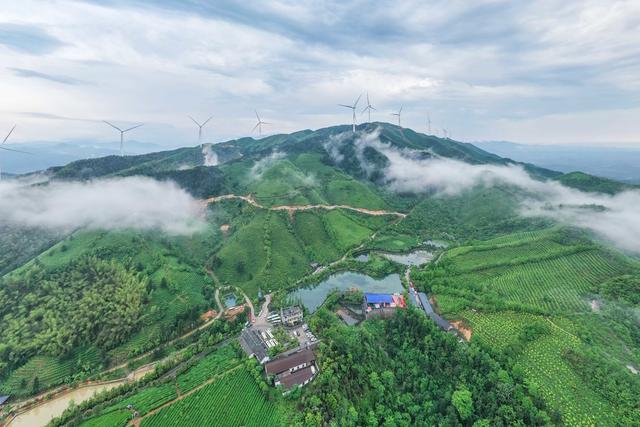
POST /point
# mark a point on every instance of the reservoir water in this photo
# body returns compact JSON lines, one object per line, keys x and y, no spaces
{"x":313,"y":297}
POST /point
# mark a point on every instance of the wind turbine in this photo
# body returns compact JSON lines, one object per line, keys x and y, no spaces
{"x":399,"y":114}
{"x":122,"y":132}
{"x":9,"y":149}
{"x":444,"y":133}
{"x":428,"y":124}
{"x":353,"y":108}
{"x":368,"y":108}
{"x":259,"y":125}
{"x":200,"y":126}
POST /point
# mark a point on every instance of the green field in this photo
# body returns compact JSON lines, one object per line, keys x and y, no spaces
{"x":233,"y":400}
{"x":529,"y":296}
{"x":543,"y":364}
{"x":50,"y":371}
{"x":213,"y":364}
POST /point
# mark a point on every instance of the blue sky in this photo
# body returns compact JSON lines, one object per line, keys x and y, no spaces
{"x":549,"y":71}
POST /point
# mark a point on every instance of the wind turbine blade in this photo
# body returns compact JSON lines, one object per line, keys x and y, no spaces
{"x":266,"y":123}
{"x":368,"y":103}
{"x":132,"y":128}
{"x":207,"y":121}
{"x":372,"y":108}
{"x":113,"y":126}
{"x":399,"y":112}
{"x":255,"y":127}
{"x":194,"y":121}
{"x":16,"y":151}
{"x":357,"y":100}
{"x":257,"y":116}
{"x":8,"y":135}
{"x":346,"y":106}
{"x":365,"y":109}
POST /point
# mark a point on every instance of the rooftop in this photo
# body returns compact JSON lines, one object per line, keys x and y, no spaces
{"x":252,"y":344}
{"x":285,"y":363}
{"x":378,"y":298}
{"x":297,"y":378}
{"x":4,"y":399}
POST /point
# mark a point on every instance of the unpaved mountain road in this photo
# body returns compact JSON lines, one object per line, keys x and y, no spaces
{"x":294,"y":208}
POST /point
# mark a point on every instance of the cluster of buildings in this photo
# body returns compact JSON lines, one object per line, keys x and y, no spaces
{"x":292,"y":368}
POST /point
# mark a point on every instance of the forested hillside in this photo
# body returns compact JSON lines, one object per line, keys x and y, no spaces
{"x":548,"y":304}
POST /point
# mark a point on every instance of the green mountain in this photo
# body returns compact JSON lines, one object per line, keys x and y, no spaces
{"x":549,"y":309}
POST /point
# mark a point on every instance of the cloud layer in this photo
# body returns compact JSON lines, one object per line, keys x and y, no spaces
{"x":543,"y":71}
{"x":122,"y":203}
{"x":615,"y":218}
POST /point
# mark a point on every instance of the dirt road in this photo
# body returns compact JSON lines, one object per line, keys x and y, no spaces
{"x":294,"y":208}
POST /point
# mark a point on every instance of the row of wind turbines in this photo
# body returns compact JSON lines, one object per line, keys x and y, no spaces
{"x":353,"y":107}
{"x":398,"y":114}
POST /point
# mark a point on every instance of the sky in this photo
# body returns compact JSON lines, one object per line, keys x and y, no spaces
{"x":544,"y":72}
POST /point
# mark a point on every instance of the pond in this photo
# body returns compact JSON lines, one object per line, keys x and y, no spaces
{"x":362,"y":257}
{"x":230,"y":300}
{"x":313,"y":297}
{"x":418,"y":257}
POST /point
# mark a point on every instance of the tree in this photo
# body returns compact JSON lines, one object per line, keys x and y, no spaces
{"x":462,"y":401}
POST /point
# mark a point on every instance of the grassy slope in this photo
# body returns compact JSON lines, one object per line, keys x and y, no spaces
{"x":502,"y":286}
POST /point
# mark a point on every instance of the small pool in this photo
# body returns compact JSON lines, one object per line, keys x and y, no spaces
{"x":230,"y":300}
{"x":362,"y":257}
{"x":313,"y":297}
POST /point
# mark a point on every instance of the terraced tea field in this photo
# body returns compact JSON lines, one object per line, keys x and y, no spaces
{"x":233,"y":400}
{"x":543,"y":364}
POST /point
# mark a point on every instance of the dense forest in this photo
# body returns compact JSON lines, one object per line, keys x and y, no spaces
{"x":52,"y":311}
{"x":405,"y":371}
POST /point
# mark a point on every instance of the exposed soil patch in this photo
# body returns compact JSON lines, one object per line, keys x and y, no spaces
{"x":208,"y":315}
{"x":233,"y":312}
{"x":464,"y":330}
{"x":225,"y":228}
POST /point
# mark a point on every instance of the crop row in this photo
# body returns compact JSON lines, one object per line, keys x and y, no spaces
{"x":234,"y":400}
{"x":211,"y":365}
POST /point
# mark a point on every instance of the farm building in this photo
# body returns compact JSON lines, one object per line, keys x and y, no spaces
{"x":291,"y":316}
{"x":382,"y":304}
{"x":296,"y":369}
{"x":253,"y":345}
{"x":426,"y":306}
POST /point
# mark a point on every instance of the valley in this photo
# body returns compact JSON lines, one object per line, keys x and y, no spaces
{"x":546,"y":308}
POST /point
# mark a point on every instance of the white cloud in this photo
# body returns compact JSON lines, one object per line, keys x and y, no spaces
{"x":210,"y":156}
{"x":615,"y":218}
{"x":122,"y":203}
{"x":470,"y":64}
{"x":264,"y":164}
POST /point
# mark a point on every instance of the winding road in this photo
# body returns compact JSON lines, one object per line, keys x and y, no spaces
{"x":294,"y":208}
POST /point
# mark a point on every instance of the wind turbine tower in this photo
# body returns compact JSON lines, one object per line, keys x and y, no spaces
{"x":9,"y":149}
{"x":200,"y":126}
{"x":122,"y":132}
{"x":428,"y":124}
{"x":353,"y":108}
{"x":259,"y":125}
{"x":368,"y":108}
{"x":399,"y":114}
